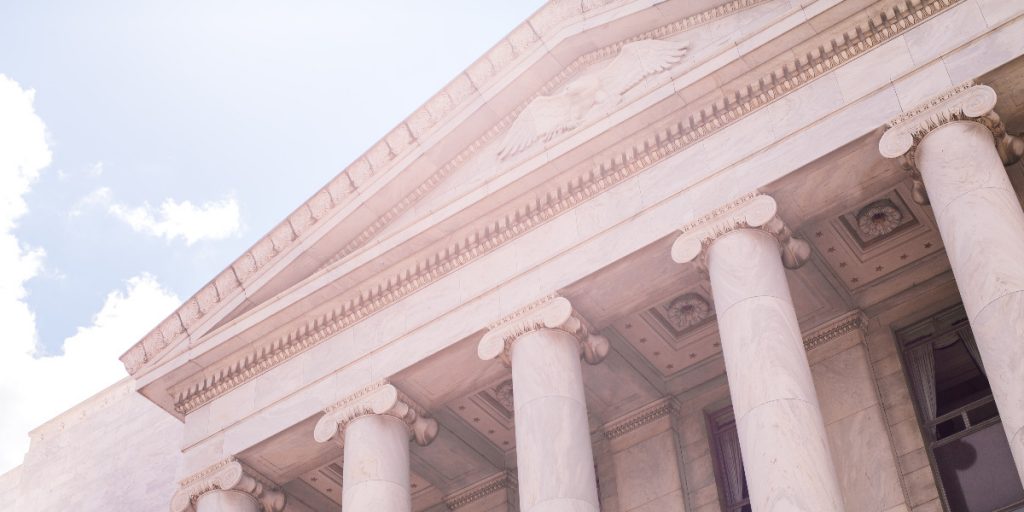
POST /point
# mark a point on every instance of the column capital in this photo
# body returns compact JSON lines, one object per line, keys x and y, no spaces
{"x":551,"y":312}
{"x":379,"y":398}
{"x":752,"y":211}
{"x":965,"y":102}
{"x":228,"y":475}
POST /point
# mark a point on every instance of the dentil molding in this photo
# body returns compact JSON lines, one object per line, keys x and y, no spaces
{"x":488,"y":486}
{"x":380,"y":398}
{"x":853,"y":321}
{"x":965,"y":102}
{"x":551,"y":312}
{"x":753,"y":211}
{"x":228,"y":475}
{"x":645,"y":150}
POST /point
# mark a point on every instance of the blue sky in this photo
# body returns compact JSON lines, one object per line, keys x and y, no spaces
{"x":175,"y":134}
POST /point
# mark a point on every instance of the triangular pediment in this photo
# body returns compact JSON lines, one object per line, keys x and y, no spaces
{"x":553,"y":84}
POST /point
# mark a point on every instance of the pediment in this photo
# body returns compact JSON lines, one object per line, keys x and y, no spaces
{"x":371,"y":238}
{"x":457,"y":142}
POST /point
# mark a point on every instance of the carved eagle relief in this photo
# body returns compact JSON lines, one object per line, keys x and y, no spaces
{"x":548,"y":116}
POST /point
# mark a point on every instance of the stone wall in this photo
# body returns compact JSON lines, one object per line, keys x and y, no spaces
{"x":114,"y":451}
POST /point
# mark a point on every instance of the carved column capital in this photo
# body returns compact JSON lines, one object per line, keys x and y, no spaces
{"x":380,"y":398}
{"x":965,"y":102}
{"x":753,"y":211}
{"x":551,"y":312}
{"x":228,"y":475}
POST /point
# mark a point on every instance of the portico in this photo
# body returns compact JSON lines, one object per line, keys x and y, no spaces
{"x":666,"y":257}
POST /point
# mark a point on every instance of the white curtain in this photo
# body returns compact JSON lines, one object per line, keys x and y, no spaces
{"x":921,"y":367}
{"x":732,"y":466}
{"x":972,"y":346}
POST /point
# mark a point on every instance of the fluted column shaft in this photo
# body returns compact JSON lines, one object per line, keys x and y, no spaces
{"x":782,"y":437}
{"x":982,"y":227}
{"x":957,"y":146}
{"x":376,"y":468}
{"x":553,"y":451}
{"x":227,"y":501}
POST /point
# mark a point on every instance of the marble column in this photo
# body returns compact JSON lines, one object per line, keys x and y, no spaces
{"x":955,"y":148}
{"x":744,"y":248}
{"x":228,"y":486}
{"x":374,"y":426}
{"x":543,"y":343}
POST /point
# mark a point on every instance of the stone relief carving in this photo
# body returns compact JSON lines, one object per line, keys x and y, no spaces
{"x":379,"y":398}
{"x":228,"y":475}
{"x":552,"y":312}
{"x":606,"y":173}
{"x":965,"y":102}
{"x":687,"y":311}
{"x":592,"y":95}
{"x":879,"y":219}
{"x":504,"y":394}
{"x":753,"y":211}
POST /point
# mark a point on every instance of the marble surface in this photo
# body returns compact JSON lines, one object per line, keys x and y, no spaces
{"x":782,"y":437}
{"x":376,"y":466}
{"x":227,"y":501}
{"x":982,"y":226}
{"x":553,"y":450}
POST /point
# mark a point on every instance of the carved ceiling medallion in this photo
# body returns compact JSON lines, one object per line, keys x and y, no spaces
{"x":687,"y":311}
{"x":879,"y":219}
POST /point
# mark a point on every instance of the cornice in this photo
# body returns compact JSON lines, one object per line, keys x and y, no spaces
{"x":965,"y":102}
{"x":551,"y":312}
{"x":392,"y":148}
{"x":645,"y":415}
{"x":752,"y":211}
{"x":853,"y":321}
{"x":228,"y":475}
{"x":379,"y":398}
{"x":566,"y":195}
{"x":480,"y":490}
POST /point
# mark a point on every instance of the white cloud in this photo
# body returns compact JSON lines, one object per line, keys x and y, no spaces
{"x":98,"y":197}
{"x":95,"y":169}
{"x":213,"y":220}
{"x":32,"y":390}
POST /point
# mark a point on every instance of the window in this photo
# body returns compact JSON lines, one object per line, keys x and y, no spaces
{"x":725,"y":452}
{"x":965,"y":440}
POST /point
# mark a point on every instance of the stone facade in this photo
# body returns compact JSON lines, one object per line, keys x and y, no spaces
{"x":639,"y":257}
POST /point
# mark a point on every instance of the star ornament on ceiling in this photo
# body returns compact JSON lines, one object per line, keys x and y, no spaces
{"x":549,"y":116}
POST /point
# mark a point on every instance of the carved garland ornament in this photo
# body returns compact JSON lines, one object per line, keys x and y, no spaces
{"x":228,"y":475}
{"x":644,"y":153}
{"x":551,"y":312}
{"x":753,"y":211}
{"x":965,"y":102}
{"x":380,"y":398}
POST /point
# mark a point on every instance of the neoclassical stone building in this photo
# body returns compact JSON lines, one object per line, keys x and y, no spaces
{"x":642,"y":256}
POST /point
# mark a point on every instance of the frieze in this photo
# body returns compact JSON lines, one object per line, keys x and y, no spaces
{"x":379,"y":398}
{"x":567,"y":195}
{"x":965,"y":102}
{"x":228,"y":475}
